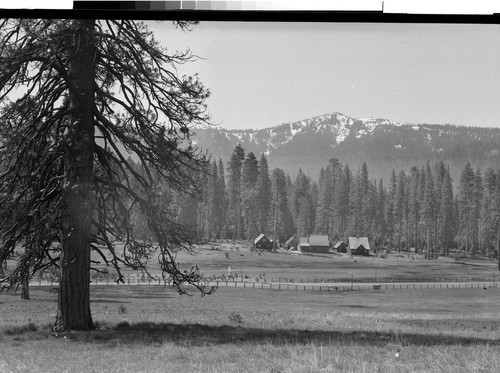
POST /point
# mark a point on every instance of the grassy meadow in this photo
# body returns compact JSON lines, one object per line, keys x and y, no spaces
{"x":153,"y":329}
{"x":300,"y":268}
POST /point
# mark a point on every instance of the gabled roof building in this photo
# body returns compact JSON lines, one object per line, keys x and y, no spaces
{"x":263,"y":243}
{"x":314,"y":244}
{"x":358,"y":246}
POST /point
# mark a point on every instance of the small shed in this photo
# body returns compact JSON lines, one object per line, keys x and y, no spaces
{"x":341,"y":247}
{"x":263,"y":243}
{"x":358,"y":246}
{"x":314,"y":244}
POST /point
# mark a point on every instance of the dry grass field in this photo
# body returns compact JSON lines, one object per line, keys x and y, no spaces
{"x":153,"y":329}
{"x":300,"y":268}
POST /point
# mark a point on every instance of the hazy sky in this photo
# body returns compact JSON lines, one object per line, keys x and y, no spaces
{"x":265,"y":74}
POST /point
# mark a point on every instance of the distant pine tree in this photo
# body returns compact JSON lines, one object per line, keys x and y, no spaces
{"x":466,"y":203}
{"x":249,"y":194}
{"x":281,"y":218}
{"x":263,"y":187}
{"x":234,"y":166}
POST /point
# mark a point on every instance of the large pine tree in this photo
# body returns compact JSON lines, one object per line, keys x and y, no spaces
{"x":87,"y":86}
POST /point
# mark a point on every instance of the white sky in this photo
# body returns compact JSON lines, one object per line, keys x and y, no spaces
{"x":264,"y":74}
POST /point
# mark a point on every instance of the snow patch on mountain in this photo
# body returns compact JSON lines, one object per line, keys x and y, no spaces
{"x":335,"y":126}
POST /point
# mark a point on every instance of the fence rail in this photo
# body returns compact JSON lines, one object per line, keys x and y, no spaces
{"x":304,"y":286}
{"x":491,"y":278}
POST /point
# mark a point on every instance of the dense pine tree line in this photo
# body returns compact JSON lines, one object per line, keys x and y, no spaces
{"x":418,"y":209}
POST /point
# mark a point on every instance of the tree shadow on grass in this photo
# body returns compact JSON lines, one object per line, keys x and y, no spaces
{"x":140,"y":292}
{"x":150,"y":333}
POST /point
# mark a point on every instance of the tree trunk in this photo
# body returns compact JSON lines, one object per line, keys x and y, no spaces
{"x":275,"y":223}
{"x":25,"y":282}
{"x":74,"y":285}
{"x":238,"y":213}
{"x":25,"y":289}
{"x":436,"y":238}
{"x":416,"y":235}
{"x":498,"y":245}
{"x":467,"y":231}
{"x":428,"y":243}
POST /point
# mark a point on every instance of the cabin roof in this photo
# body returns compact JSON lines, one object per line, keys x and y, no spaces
{"x":355,"y":242}
{"x":318,"y":240}
{"x":259,"y":237}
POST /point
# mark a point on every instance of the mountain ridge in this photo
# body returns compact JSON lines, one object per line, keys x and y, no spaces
{"x":383,"y":143}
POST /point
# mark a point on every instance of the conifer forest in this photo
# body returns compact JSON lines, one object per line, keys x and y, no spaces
{"x":421,"y":209}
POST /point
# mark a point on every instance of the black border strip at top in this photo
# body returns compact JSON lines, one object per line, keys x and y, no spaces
{"x":248,"y":15}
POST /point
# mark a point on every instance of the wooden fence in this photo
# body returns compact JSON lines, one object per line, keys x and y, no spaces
{"x":491,"y":278}
{"x":305,"y":287}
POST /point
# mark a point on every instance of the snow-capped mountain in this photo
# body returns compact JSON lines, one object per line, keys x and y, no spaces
{"x":382,"y":143}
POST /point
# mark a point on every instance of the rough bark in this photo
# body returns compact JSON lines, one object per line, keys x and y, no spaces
{"x":74,"y":287}
{"x":25,"y":290}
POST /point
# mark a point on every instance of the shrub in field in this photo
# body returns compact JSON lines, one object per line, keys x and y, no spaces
{"x":122,"y":309}
{"x":123,"y":324}
{"x":235,"y":317}
{"x":20,"y":329}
